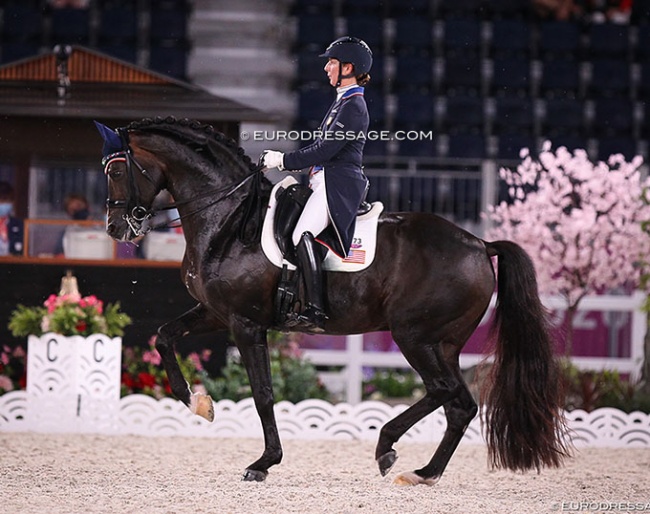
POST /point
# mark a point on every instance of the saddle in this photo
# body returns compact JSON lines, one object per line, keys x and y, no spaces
{"x":289,"y":204}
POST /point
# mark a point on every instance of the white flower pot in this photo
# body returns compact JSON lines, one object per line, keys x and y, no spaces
{"x":73,"y":383}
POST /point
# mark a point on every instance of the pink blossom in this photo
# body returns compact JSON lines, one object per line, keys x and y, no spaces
{"x":151,"y":357}
{"x":5,"y":383}
{"x":92,"y":301}
{"x":196,"y":361}
{"x":581,"y":224}
{"x":19,"y":352}
{"x":4,"y":358}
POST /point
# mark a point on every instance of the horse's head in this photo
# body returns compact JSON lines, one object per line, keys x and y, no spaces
{"x":134,"y":179}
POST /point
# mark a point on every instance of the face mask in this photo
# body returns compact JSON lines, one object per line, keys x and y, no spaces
{"x":5,"y":209}
{"x":81,"y":214}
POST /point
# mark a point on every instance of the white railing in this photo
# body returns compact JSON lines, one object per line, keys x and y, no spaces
{"x":353,"y":358}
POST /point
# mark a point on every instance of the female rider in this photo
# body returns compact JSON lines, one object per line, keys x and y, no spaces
{"x":335,"y":177}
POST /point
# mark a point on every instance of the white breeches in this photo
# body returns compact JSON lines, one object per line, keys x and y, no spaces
{"x":315,"y":218}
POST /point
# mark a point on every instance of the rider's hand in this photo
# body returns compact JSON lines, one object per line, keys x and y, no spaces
{"x":272,"y":159}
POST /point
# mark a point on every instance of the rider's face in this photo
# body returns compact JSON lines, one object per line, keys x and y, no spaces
{"x":332,"y":70}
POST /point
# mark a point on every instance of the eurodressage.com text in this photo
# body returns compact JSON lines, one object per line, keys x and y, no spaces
{"x":336,"y":135}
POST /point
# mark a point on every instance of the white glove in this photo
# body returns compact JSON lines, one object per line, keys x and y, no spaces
{"x":273,"y":159}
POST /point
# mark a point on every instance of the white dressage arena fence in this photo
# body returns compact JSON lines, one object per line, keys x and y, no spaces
{"x":73,"y":387}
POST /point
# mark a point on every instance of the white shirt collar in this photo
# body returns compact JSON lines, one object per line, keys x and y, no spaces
{"x":342,"y":89}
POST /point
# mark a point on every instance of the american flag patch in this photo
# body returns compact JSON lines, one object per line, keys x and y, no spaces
{"x":356,"y":257}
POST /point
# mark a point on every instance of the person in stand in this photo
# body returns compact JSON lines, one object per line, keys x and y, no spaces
{"x":11,"y":228}
{"x":335,"y":176}
{"x":77,"y":208}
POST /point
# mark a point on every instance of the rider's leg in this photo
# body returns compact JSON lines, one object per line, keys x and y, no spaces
{"x":313,"y":220}
{"x":310,"y":265}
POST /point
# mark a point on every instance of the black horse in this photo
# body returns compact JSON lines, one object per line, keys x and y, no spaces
{"x":430,"y":284}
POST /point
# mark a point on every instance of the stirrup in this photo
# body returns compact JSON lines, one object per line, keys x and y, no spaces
{"x":313,"y":319}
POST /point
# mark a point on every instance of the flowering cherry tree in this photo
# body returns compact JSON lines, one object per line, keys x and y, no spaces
{"x":581,"y":222}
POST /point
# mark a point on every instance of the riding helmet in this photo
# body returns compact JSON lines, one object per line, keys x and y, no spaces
{"x":352,"y":50}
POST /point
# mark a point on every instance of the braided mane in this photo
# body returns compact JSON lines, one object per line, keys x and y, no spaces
{"x":196,"y":134}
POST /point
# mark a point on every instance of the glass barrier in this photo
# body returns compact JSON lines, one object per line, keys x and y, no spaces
{"x":87,"y":240}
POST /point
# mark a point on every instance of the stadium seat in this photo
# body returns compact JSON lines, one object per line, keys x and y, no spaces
{"x":510,"y":38}
{"x":514,"y":115}
{"x":510,"y":145}
{"x":608,"y":40}
{"x":511,"y":76}
{"x":70,"y":26}
{"x":559,"y":39}
{"x":610,"y":77}
{"x":414,"y":111}
{"x":608,"y":146}
{"x":462,"y":74}
{"x":613,"y":116}
{"x":413,"y":35}
{"x":464,"y":113}
{"x":560,"y":77}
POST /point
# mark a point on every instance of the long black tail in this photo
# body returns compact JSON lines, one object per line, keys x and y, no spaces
{"x":524,"y":422}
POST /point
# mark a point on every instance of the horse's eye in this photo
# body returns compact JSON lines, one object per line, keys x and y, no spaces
{"x":115,"y":172}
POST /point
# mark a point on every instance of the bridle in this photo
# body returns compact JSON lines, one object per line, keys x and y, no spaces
{"x":136,"y":216}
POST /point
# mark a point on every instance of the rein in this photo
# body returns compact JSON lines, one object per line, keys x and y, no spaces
{"x":136,"y":216}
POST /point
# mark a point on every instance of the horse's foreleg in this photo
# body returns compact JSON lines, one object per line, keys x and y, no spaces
{"x":255,"y":356}
{"x":194,"y":321}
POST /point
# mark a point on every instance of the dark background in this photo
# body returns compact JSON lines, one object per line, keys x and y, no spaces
{"x":152,"y":296}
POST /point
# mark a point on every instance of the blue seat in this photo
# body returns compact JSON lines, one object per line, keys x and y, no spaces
{"x":464,"y":113}
{"x":123,"y":51}
{"x":313,"y":103}
{"x":563,"y":116}
{"x":362,"y":7}
{"x":510,"y":38}
{"x":560,"y":77}
{"x":411,"y":8}
{"x":414,"y":111}
{"x":368,"y":27}
{"x":611,"y":145}
{"x":510,"y":145}
{"x":413,"y":72}
{"x":376,"y":102}
{"x":315,"y":32}
{"x":459,"y":8}
{"x":22,"y":23}
{"x":609,"y":40}
{"x":514,"y":115}
{"x":310,"y":68}
{"x":467,"y":146}
{"x":16,"y":50}
{"x":610,"y":77}
{"x":169,"y":59}
{"x":413,"y":34}
{"x":462,"y":74}
{"x":118,"y":24}
{"x":301,"y":7}
{"x":613,"y":116}
{"x":559,"y":39}
{"x":168,"y":24}
{"x":461,"y":35}
{"x":70,"y":26}
{"x":570,"y":141}
{"x":511,"y":76}
{"x":416,"y":148}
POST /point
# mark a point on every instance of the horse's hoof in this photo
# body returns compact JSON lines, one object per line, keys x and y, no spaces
{"x":252,"y":475}
{"x":201,"y":405}
{"x":412,"y":478}
{"x":386,"y":462}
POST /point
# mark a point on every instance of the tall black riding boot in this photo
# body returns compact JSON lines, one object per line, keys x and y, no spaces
{"x":310,"y":265}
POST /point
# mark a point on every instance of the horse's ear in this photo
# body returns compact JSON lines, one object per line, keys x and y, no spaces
{"x":112,"y":142}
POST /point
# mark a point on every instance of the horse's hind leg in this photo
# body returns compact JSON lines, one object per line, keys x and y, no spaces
{"x":444,"y":386}
{"x":194,"y":321}
{"x":459,"y":413}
